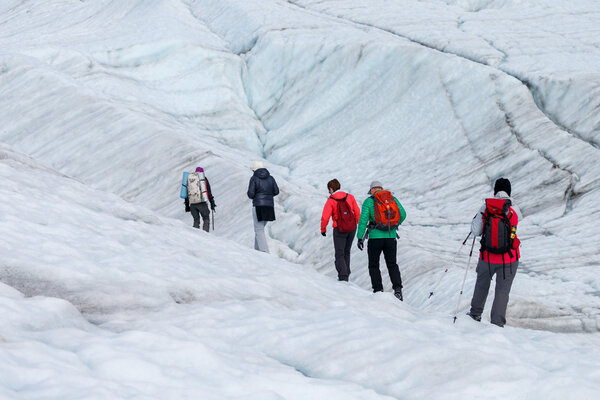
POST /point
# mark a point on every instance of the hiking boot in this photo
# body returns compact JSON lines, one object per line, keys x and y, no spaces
{"x":475,"y":317}
{"x":398,"y":294}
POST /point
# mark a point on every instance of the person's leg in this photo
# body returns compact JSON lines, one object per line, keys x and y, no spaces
{"x":374,"y":248}
{"x":339,"y":245}
{"x":503,"y":284}
{"x":205,"y":213}
{"x":260,"y":240}
{"x":195,"y":211}
{"x":389,"y":254}
{"x":482,"y":287}
{"x":348,"y":248}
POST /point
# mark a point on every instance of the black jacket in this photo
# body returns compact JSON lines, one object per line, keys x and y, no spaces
{"x":262,"y":188}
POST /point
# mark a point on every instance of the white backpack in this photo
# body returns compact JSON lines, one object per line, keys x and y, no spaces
{"x":196,"y":187}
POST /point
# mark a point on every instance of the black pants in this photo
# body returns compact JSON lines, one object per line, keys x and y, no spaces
{"x":342,"y":243}
{"x":200,"y":209}
{"x":374,"y":249}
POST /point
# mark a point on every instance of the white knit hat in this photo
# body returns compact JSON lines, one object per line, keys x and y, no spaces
{"x":257,"y":165}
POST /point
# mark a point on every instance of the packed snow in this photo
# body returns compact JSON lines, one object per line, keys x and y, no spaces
{"x":106,"y":291}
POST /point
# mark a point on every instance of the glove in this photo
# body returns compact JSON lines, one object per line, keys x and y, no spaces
{"x":186,"y":202}
{"x":360,"y":244}
{"x":212,"y":207}
{"x":323,"y":234}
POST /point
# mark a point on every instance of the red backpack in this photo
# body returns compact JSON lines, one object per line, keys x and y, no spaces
{"x":346,"y":219}
{"x":498,"y":235}
{"x":387,"y":213}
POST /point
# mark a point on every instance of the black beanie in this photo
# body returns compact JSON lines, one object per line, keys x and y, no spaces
{"x":502,"y":185}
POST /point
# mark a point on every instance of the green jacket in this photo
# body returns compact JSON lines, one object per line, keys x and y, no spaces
{"x":367,"y":215}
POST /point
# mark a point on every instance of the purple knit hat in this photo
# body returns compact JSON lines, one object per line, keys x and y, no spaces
{"x":199,"y":169}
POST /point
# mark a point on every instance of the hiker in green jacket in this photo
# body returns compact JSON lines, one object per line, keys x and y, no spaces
{"x":381,"y":214}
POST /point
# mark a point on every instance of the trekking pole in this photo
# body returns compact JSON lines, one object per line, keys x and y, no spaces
{"x":464,"y":279}
{"x":213,"y":219}
{"x":451,"y":264}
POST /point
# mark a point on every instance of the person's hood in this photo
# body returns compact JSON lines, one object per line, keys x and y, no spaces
{"x":338,"y":194}
{"x":262,"y":173}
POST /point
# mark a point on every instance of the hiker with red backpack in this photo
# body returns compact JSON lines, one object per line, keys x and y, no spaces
{"x":341,"y":207}
{"x":496,"y":223}
{"x":381,"y":214}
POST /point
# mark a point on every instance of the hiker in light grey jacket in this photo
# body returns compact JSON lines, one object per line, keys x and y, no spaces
{"x":499,"y":255}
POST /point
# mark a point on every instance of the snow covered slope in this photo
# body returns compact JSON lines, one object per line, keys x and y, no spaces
{"x":103,"y":104}
{"x":112,"y":301}
{"x":221,"y":83}
{"x":365,"y":104}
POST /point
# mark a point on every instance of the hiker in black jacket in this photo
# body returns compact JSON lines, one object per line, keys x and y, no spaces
{"x":261,"y":189}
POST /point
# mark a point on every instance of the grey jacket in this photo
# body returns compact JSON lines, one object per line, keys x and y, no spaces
{"x":262,"y":188}
{"x":477,"y":223}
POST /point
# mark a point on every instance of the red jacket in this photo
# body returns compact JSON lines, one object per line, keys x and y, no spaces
{"x":330,"y":209}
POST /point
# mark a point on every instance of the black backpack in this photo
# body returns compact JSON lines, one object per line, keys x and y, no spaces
{"x":496,"y":236}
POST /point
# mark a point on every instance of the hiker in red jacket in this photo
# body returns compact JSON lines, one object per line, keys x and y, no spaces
{"x":496,"y":222}
{"x":341,"y":207}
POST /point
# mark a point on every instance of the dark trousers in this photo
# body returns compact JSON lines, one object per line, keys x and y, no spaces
{"x":374,"y":249}
{"x":200,"y":209}
{"x":505,"y":274}
{"x":342,"y":243}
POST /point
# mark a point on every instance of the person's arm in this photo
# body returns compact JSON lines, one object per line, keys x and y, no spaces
{"x":517,"y":210}
{"x":211,"y":199}
{"x":327,"y":212}
{"x":363,"y":221}
{"x":251,"y":188}
{"x":402,"y":211}
{"x":275,"y":187}
{"x":477,"y":223}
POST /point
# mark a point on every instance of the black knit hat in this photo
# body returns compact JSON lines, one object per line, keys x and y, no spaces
{"x":502,"y":185}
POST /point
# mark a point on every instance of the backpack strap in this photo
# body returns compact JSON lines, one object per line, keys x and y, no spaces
{"x":344,"y":199}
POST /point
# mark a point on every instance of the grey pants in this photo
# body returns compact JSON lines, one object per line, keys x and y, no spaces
{"x":200,"y":209}
{"x":505,"y":274}
{"x":260,"y":240}
{"x":342,"y":243}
